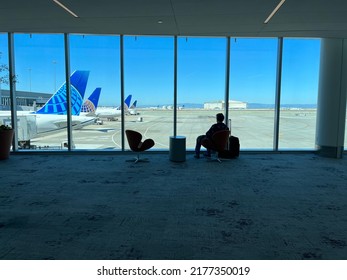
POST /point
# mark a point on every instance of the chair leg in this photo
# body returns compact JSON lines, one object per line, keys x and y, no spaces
{"x":138,"y":159}
{"x":135,"y":159}
{"x":215,"y":157}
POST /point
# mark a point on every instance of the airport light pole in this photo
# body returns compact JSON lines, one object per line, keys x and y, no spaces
{"x":29,"y":70}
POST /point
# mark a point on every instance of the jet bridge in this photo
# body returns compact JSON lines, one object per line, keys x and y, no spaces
{"x":26,"y":129}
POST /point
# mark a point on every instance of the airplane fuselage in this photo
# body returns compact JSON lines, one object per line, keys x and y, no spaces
{"x":48,"y":122}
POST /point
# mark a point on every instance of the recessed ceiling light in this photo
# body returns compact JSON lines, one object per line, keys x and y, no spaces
{"x":65,"y":8}
{"x":274,"y":11}
{"x":160,"y":21}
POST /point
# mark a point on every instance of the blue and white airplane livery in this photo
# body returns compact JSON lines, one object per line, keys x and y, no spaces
{"x":132,"y":109}
{"x":91,"y":104}
{"x":53,"y":115}
{"x":57,"y":104}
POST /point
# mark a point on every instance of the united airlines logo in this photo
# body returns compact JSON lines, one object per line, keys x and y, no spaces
{"x":88,"y":107}
{"x":57,"y":105}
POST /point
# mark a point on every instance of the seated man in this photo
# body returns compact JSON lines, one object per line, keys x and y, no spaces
{"x":214,"y":128}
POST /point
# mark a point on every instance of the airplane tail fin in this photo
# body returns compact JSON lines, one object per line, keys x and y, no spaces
{"x":134,"y":105}
{"x":127,"y":102}
{"x":90,"y":105}
{"x":132,"y":109}
{"x":79,"y":80}
{"x":57,"y":104}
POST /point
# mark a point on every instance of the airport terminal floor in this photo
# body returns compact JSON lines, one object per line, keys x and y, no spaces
{"x":258,"y":206}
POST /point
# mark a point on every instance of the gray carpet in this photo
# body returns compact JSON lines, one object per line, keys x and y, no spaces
{"x":259,"y":206}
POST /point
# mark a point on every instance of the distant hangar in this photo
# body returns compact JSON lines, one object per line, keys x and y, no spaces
{"x":220,"y":105}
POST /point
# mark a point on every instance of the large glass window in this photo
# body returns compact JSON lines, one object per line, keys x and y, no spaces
{"x":300,"y":74}
{"x":148,"y":78}
{"x":40,"y":72}
{"x":201,"y":85}
{"x":252,"y":91}
{"x":149,"y":90}
{"x":97,"y":60}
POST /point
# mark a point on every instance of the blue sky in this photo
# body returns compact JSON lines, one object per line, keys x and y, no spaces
{"x":149,"y":67}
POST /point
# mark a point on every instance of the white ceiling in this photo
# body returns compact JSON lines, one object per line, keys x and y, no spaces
{"x":236,"y":18}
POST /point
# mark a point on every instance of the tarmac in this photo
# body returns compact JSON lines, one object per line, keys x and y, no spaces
{"x":255,"y":128}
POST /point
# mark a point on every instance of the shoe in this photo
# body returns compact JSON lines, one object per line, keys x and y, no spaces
{"x":196,"y":156}
{"x":207,"y":155}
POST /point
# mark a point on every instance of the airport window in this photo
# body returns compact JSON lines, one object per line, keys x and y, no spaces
{"x":252,"y":82}
{"x":148,"y":79}
{"x":97,"y":60}
{"x":149,"y":90}
{"x":40,"y":71}
{"x":201,"y":85}
{"x":299,"y":91}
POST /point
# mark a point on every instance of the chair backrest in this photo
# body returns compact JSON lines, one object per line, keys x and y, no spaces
{"x":220,"y":139}
{"x":134,"y":139}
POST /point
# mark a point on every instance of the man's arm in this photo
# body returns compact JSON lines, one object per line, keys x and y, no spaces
{"x":210,"y":132}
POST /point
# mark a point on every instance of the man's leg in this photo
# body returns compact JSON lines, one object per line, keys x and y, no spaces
{"x":208,"y":153}
{"x":198,"y":145}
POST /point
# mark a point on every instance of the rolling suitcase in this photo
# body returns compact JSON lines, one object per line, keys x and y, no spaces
{"x":234,"y":146}
{"x":233,"y":150}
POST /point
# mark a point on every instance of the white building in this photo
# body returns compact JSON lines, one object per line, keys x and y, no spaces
{"x":220,"y":105}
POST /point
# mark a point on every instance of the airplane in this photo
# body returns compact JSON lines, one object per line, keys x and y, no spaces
{"x":52,"y":116}
{"x":51,"y":123}
{"x":113,"y":113}
{"x":132,"y":110}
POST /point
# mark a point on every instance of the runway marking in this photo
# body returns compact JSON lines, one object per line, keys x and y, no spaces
{"x":165,"y":146}
{"x":113,"y":139}
{"x":135,"y":126}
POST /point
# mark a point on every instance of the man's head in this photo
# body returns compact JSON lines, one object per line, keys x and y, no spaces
{"x":220,"y":117}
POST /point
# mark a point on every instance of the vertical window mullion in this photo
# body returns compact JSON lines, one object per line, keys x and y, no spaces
{"x":278,"y":93}
{"x":227,"y":81}
{"x":121,"y":50}
{"x":68,"y":90}
{"x":12,"y":89}
{"x":175,"y":88}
